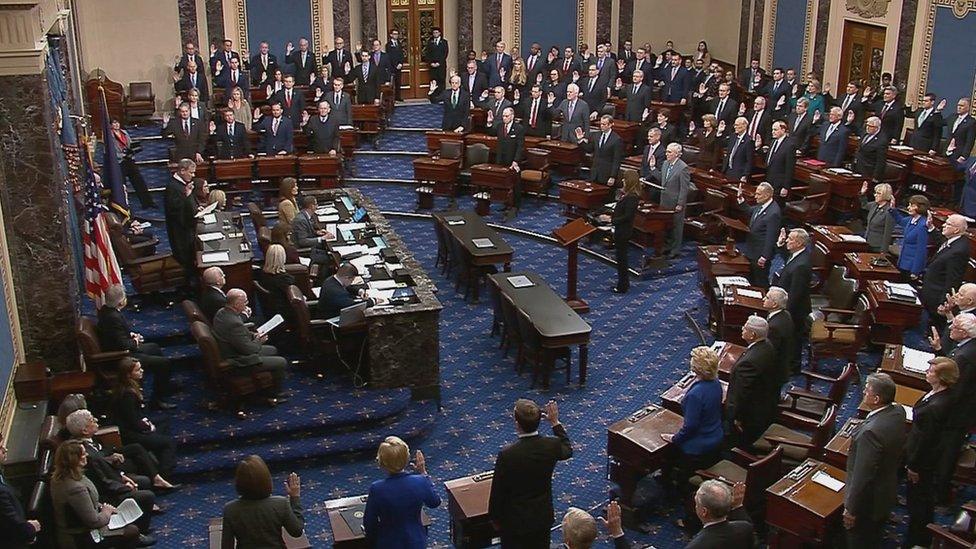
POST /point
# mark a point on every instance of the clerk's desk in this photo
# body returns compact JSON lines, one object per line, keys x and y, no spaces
{"x":233,"y":241}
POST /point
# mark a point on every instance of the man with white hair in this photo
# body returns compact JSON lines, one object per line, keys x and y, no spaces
{"x":713,"y":501}
{"x":781,"y":330}
{"x":946,"y":268}
{"x":754,"y":388}
{"x":579,"y":528}
{"x":675,"y":180}
{"x":739,"y":150}
{"x":871,"y":156}
{"x":963,"y":301}
{"x":574,"y":111}
{"x":764,"y":224}
{"x":212,"y":296}
{"x":244,"y":348}
{"x":795,"y":277}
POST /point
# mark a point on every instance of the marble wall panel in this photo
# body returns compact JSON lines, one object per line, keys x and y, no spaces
{"x":340,"y":20}
{"x":626,"y":22}
{"x":744,"y":34}
{"x":820,"y":45}
{"x":906,"y":33}
{"x":603,"y":21}
{"x":368,"y":20}
{"x":755,"y":51}
{"x":215,"y":19}
{"x":465,"y":30}
{"x":188,"y":21}
{"x":491,"y":23}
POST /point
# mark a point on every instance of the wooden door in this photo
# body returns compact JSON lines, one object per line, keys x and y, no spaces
{"x":414,"y":19}
{"x":862,"y":54}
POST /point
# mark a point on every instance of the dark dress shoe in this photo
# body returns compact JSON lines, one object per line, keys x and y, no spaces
{"x":617,"y":290}
{"x":162,"y":405}
{"x":166,"y":490}
{"x":145,"y":540}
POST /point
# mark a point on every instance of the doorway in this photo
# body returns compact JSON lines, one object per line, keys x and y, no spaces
{"x":862,"y":54}
{"x":414,"y":19}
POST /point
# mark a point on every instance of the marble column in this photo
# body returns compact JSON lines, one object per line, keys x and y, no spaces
{"x":626,"y":22}
{"x":906,"y":33}
{"x":188,"y":22}
{"x":215,"y":19}
{"x":340,"y":20}
{"x":603,"y":9}
{"x":744,"y":34}
{"x":757,"y":32}
{"x":35,"y":201}
{"x":465,"y":29}
{"x":368,"y":21}
{"x":491,"y":23}
{"x":820,"y":45}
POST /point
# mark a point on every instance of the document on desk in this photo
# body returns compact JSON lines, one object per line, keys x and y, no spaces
{"x":903,"y":291}
{"x":385,"y":295}
{"x":852,"y":238}
{"x":208,"y":237}
{"x":749,"y":293}
{"x":328,"y":218}
{"x":350,"y":249}
{"x":326,"y":210}
{"x":824,"y":479}
{"x":382,"y":284}
{"x":839,"y":171}
{"x":207,"y":210}
{"x":482,"y":243}
{"x":454,"y":220}
{"x":914,"y":360}
{"x":209,"y":219}
{"x":364,"y":261}
{"x":331,"y":229}
{"x":215,"y":257}
{"x":305,"y":260}
{"x":266,"y":328}
{"x":718,"y":346}
{"x":726,"y":281}
{"x":350,"y":226}
{"x":520,"y":281}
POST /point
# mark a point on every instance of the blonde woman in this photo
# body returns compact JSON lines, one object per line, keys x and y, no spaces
{"x":219,"y":197}
{"x":877,"y":228}
{"x":241,"y":107}
{"x":393,"y":507}
{"x":519,"y":77}
{"x":276,"y":280}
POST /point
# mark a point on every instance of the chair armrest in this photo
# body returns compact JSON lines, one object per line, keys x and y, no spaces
{"x":837,"y":311}
{"x":742,"y":458}
{"x":815,"y":195}
{"x":798,"y":189}
{"x":802,"y":393}
{"x":944,"y":533}
{"x":815,"y":375}
{"x":779,"y":440}
{"x":107,"y":356}
{"x":109,"y":436}
{"x":797,"y":419}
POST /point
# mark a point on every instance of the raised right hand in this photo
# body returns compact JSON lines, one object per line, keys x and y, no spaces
{"x":864,"y":187}
{"x":257,"y":112}
{"x":165,"y":118}
{"x":721,"y":126}
{"x":551,"y":97}
{"x":293,"y":485}
{"x":934,"y":340}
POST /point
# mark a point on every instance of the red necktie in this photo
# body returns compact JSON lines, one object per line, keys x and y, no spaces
{"x":566,"y":66}
{"x":288,"y":99}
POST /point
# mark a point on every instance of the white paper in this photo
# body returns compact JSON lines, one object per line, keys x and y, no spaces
{"x":207,"y":237}
{"x":852,"y":238}
{"x":394,"y":266}
{"x":841,"y":171}
{"x":326,"y":210}
{"x":900,"y":148}
{"x":316,"y":290}
{"x":456,"y":222}
{"x":350,"y":226}
{"x":520,"y":281}
{"x":332,"y":218}
{"x":908,"y":412}
{"x":726,"y":281}
{"x":718,"y":346}
{"x":384,"y":295}
{"x":364,"y":261}
{"x":305,"y":261}
{"x":146,"y":224}
{"x":209,"y":219}
{"x":382,"y":284}
{"x":215,"y":257}
{"x":126,"y":513}
{"x":903,"y":290}
{"x":266,"y":328}
{"x":749,"y":293}
{"x":207,"y":210}
{"x":914,"y":360}
{"x":350,"y":249}
{"x":482,"y":243}
{"x":824,"y":479}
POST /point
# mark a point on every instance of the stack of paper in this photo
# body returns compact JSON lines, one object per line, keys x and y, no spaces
{"x":900,"y":290}
{"x":216,"y":257}
{"x":328,"y":218}
{"x":207,"y":237}
{"x":382,"y":284}
{"x":364,"y":261}
{"x":351,"y":249}
{"x":482,"y":243}
{"x":914,"y":360}
{"x":726,"y":281}
{"x":852,"y":238}
{"x":824,"y":479}
{"x":749,"y":293}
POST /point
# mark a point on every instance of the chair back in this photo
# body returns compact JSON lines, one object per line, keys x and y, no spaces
{"x":528,"y":332}
{"x":300,"y":313}
{"x":714,"y":201}
{"x":476,"y":153}
{"x":141,"y":91}
{"x":510,"y":316}
{"x":264,"y":239}
{"x":441,"y":238}
{"x":264,"y":299}
{"x":838,"y":389}
{"x":819,"y":261}
{"x":87,"y":337}
{"x":257,"y":216}
{"x":762,"y":474}
{"x":824,"y":431}
{"x":450,"y":149}
{"x":840,"y":290}
{"x":194,"y":313}
{"x":209,"y":351}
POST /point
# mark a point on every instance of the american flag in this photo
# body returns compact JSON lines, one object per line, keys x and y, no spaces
{"x":101,"y":267}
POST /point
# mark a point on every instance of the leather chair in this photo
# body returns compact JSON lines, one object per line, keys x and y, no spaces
{"x":230,"y":386}
{"x":960,"y":535}
{"x":758,"y":473}
{"x":812,"y":207}
{"x":843,"y":338}
{"x":813,"y":404}
{"x":542,"y":358}
{"x":116,"y":230}
{"x":315,"y":337}
{"x":194,"y":313}
{"x":706,"y":227}
{"x":443,"y":254}
{"x":451,"y":149}
{"x":105,"y":364}
{"x":141,"y":102}
{"x":801,"y":437}
{"x":264,"y":239}
{"x":837,"y":294}
{"x":535,"y":173}
{"x":148,"y":273}
{"x":474,"y":154}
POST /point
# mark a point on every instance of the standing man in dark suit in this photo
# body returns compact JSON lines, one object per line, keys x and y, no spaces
{"x":340,"y":60}
{"x":753,"y":78}
{"x":340,"y":102}
{"x":234,"y":77}
{"x":220,"y":59}
{"x":179,"y":210}
{"x":961,"y":133}
{"x":278,"y":131}
{"x":242,"y":347}
{"x":778,"y":93}
{"x":607,"y":152}
{"x":606,"y":66}
{"x":781,"y":331}
{"x":574,"y":111}
{"x":322,"y":130}
{"x":780,"y":160}
{"x":495,"y":104}
{"x":230,"y":138}
{"x":946,"y":268}
{"x":475,"y":82}
{"x":535,"y":64}
{"x":16,"y":528}
{"x":380,"y":62}
{"x":190,"y":55}
{"x":873,"y":463}
{"x":291,"y":100}
{"x":535,"y":114}
{"x":851,"y":102}
{"x":394,"y":52}
{"x":303,"y":62}
{"x":435,"y":54}
{"x":754,"y":388}
{"x":675,"y":183}
{"x":833,"y":139}
{"x":367,"y":81}
{"x":457,"y":105}
{"x":795,"y":277}
{"x":263,"y":64}
{"x":677,"y":82}
{"x":764,"y":225}
{"x":511,"y":147}
{"x":801,"y":124}
{"x":520,"y":504}
{"x":891,"y":112}
{"x":593,"y":91}
{"x":723,"y":106}
{"x":191,"y":79}
{"x":928,"y":125}
{"x":637,"y":94}
{"x":569,"y":65}
{"x":654,"y":154}
{"x":713,"y":501}
{"x":740,"y":149}
{"x":499,"y":65}
{"x":187,"y":133}
{"x":871,"y":156}
{"x":760,"y":122}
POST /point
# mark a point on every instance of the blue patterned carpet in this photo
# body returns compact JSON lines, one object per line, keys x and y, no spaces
{"x":328,"y":431}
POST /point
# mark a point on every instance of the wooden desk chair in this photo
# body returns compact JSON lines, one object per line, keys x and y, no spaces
{"x":961,"y":535}
{"x":837,"y":294}
{"x":758,"y":473}
{"x":147,"y":273}
{"x":542,"y":358}
{"x":257,"y":217}
{"x":264,"y":238}
{"x":443,"y":253}
{"x":819,"y":264}
{"x":966,"y":466}
{"x":105,"y":364}
{"x":230,"y":386}
{"x":474,"y":154}
{"x":535,"y":174}
{"x":144,"y":248}
{"x":843,"y":338}
{"x":140,"y":103}
{"x":498,"y":320}
{"x":801,"y":437}
{"x":812,"y":206}
{"x":813,"y":404}
{"x":264,"y":299}
{"x":304,"y":277}
{"x":315,"y":336}
{"x":451,"y":149}
{"x":512,"y":334}
{"x":705,"y":226}
{"x":194,"y":313}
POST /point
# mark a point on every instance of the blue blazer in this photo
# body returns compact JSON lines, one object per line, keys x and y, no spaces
{"x":914,"y":243}
{"x":701,"y":432}
{"x":833,"y":150}
{"x":283,"y":141}
{"x":392,"y":519}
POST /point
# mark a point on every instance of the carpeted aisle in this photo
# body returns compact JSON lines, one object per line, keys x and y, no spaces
{"x":328,"y":432}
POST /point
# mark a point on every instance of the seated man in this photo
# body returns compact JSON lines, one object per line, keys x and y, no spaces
{"x":306,"y":232}
{"x":14,"y":526}
{"x":244,"y":348}
{"x":212,"y":296}
{"x":335,"y":296}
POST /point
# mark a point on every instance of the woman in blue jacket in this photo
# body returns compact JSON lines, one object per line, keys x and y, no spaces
{"x":392,"y":516}
{"x":915,"y":235}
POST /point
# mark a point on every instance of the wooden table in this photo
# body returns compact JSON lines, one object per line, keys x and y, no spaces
{"x":836,"y":451}
{"x":675,"y":395}
{"x":635,"y":449}
{"x":715,"y":261}
{"x":565,"y":157}
{"x":734,"y":309}
{"x":342,"y":536}
{"x":465,"y":226}
{"x":499,"y":181}
{"x":859,"y":266}
{"x":800,"y":510}
{"x":237,"y":268}
{"x":558,"y":324}
{"x":892,"y":364}
{"x":728,"y":354}
{"x":467,"y":505}
{"x":890,"y":317}
{"x":442,"y":172}
{"x":651,"y":226}
{"x":832,"y":239}
{"x":940,"y":174}
{"x":215,"y":536}
{"x":904,"y":395}
{"x":580,"y":197}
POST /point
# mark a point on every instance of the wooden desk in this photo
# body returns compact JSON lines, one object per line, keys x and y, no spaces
{"x":342,"y":536}
{"x":904,"y":395}
{"x":728,"y":354}
{"x":473,"y":227}
{"x":325,"y":169}
{"x":845,"y":192}
{"x":892,"y":364}
{"x":565,"y":157}
{"x":891,"y":317}
{"x":635,"y":448}
{"x":442,"y":172}
{"x":487,"y":140}
{"x":860,"y":268}
{"x":215,"y":536}
{"x":558,"y":324}
{"x":237,"y":268}
{"x":800,"y":510}
{"x":836,"y":451}
{"x":651,"y":226}
{"x":368,"y":118}
{"x":714,"y":261}
{"x":434,"y":139}
{"x":939,"y":174}
{"x":734,"y":309}
{"x":499,"y":181}
{"x":581,"y":196}
{"x":832,"y":238}
{"x":467,"y":505}
{"x":675,"y":395}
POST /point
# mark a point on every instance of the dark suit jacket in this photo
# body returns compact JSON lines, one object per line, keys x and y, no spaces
{"x":211,"y":301}
{"x":856,"y":105}
{"x":293,"y":112}
{"x":284,"y":140}
{"x":382,"y":67}
{"x":521,"y":488}
{"x":511,"y":144}
{"x":945,"y":272}
{"x":764,"y":126}
{"x":13,"y":521}
{"x":964,"y":136}
{"x":748,"y":82}
{"x":723,"y":535}
{"x":893,"y":120}
{"x":237,"y":344}
{"x":302,"y":71}
{"x":539,"y":67}
{"x":231,"y":145}
{"x":728,"y":113}
{"x":623,"y":219}
{"x":580,"y":119}
{"x":738,"y":159}
{"x":963,"y":415}
{"x":437,"y":53}
{"x":780,"y":166}
{"x":303,"y":230}
{"x":180,"y":226}
{"x":185,"y":60}
{"x":184,"y":85}
{"x":636,"y":103}
{"x":929,"y":417}
{"x":659,"y":158}
{"x":566,"y":75}
{"x":795,"y":279}
{"x":186,"y":145}
{"x":224,"y":59}
{"x":106,"y":478}
{"x":801,"y":132}
{"x":113,"y":330}
{"x":337,"y":67}
{"x":597,"y":98}
{"x":606,"y":159}
{"x":395,"y":55}
{"x":454,"y":115}
{"x":927,"y":135}
{"x":492,"y":65}
{"x":543,"y":118}
{"x":677,"y":88}
{"x":833,"y":150}
{"x":475,"y":88}
{"x":341,"y":110}
{"x":323,"y":136}
{"x":368,"y":87}
{"x":754,"y":388}
{"x":773,"y":93}
{"x":871,"y":157}
{"x":259,"y":72}
{"x":333,"y":298}
{"x":243,"y":82}
{"x":763,"y":231}
{"x":873,"y":462}
{"x":782,"y":335}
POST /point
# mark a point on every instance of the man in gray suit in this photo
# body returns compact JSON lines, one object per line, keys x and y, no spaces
{"x":575,"y":114}
{"x":873,"y":463}
{"x":306,"y":233}
{"x":243,"y":348}
{"x":340,"y":101}
{"x":675,"y":181}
